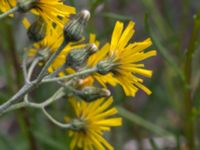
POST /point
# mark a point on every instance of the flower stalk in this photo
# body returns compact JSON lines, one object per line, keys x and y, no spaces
{"x":189,"y":127}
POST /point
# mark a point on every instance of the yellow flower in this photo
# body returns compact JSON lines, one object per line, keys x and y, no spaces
{"x":5,"y":5}
{"x":96,"y":117}
{"x":51,"y":10}
{"x":124,"y":59}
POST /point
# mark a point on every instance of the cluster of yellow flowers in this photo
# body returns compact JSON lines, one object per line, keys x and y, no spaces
{"x":116,"y":62}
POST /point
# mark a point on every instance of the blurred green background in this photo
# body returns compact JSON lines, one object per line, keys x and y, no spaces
{"x":166,"y":120}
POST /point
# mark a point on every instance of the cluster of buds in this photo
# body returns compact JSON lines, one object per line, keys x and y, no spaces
{"x":77,"y":57}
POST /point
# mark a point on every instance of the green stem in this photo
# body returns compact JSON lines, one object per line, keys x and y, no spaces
{"x":29,"y":86}
{"x":62,"y":125}
{"x":51,"y":59}
{"x":24,"y":66}
{"x":11,"y":11}
{"x":56,"y":96}
{"x":77,"y":74}
{"x":60,"y":93}
{"x":188,"y":105}
{"x":31,"y":69}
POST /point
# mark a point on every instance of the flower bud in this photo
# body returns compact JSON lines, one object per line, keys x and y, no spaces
{"x":77,"y":57}
{"x":25,"y":5}
{"x":90,"y":94}
{"x":73,"y":30}
{"x":36,"y":32}
{"x":104,"y":66}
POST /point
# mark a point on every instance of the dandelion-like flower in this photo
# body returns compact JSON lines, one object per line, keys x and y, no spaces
{"x":121,"y":60}
{"x":92,"y":120}
{"x":51,"y":10}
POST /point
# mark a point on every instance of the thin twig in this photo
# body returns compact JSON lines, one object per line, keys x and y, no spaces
{"x":49,"y":62}
{"x":62,"y":125}
{"x":29,"y":86}
{"x":24,"y":66}
{"x":31,"y":69}
{"x":56,"y":96}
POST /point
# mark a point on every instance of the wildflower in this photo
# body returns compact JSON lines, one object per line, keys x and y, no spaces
{"x":50,"y":10}
{"x":121,"y":60}
{"x":92,"y":120}
{"x":5,"y":5}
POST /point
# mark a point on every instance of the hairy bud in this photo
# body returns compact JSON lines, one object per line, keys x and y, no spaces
{"x":36,"y":32}
{"x":90,"y":94}
{"x":77,"y":57}
{"x":73,"y":30}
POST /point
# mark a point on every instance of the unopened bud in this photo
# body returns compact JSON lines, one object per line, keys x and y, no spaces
{"x":78,"y":57}
{"x":90,"y":94}
{"x":73,"y":30}
{"x":104,"y":66}
{"x":25,"y":5}
{"x":36,"y":32}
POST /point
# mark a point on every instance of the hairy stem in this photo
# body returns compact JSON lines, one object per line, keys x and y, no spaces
{"x":84,"y":72}
{"x":189,"y":127}
{"x":49,"y":62}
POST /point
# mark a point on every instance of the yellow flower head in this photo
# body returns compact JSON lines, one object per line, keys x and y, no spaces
{"x":97,"y":117}
{"x":51,"y":10}
{"x":124,"y":59}
{"x":5,"y":5}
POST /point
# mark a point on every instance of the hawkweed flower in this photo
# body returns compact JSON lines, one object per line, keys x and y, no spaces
{"x":49,"y":10}
{"x":90,"y":122}
{"x":121,"y":60}
{"x":5,"y":5}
